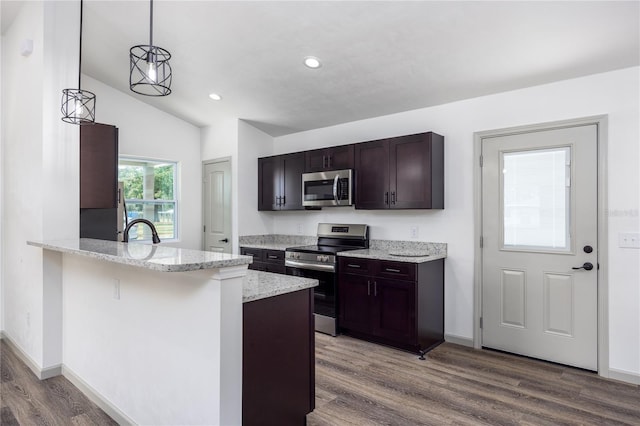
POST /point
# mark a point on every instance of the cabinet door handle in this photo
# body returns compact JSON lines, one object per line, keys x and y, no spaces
{"x":375,"y":289}
{"x":386,"y":198}
{"x":324,"y":162}
{"x":368,"y":288}
{"x":284,"y":200}
{"x":393,"y":197}
{"x":329,"y":160}
{"x":392,"y":270}
{"x":352,"y":265}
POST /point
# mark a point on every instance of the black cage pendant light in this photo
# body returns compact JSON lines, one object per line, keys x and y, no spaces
{"x":78,"y":106}
{"x":150,"y":72}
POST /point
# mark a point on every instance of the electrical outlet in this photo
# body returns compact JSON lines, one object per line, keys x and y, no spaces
{"x":300,"y":229}
{"x":629,"y":239}
{"x":28,"y":319}
{"x":414,"y":232}
{"x":116,"y":289}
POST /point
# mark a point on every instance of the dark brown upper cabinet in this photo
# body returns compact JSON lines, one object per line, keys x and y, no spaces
{"x":405,"y":172}
{"x":334,"y":158}
{"x":98,"y":166}
{"x":280,"y":182}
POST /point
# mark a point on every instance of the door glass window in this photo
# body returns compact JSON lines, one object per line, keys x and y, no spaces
{"x":536,"y":194}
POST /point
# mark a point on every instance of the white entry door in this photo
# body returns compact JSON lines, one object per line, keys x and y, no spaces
{"x":217,"y":206}
{"x":540,"y":245}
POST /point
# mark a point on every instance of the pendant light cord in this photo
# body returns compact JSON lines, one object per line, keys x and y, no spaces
{"x":80,"y":49}
{"x":150,"y":24}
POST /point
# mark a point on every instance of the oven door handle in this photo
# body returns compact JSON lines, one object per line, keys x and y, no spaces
{"x":302,"y":265}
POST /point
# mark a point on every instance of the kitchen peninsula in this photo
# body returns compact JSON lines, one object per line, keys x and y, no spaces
{"x":156,"y":333}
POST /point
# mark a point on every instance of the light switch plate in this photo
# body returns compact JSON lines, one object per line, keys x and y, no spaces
{"x":629,"y":239}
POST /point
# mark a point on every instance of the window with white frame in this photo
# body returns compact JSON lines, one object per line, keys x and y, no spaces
{"x":150,"y":192}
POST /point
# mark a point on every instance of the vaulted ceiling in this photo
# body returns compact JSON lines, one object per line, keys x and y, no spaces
{"x":378,"y":57}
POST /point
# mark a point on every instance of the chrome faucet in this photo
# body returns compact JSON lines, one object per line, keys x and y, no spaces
{"x":154,"y":233}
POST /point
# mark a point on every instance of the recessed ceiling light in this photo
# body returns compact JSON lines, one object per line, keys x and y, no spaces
{"x":215,"y":96}
{"x":312,"y":62}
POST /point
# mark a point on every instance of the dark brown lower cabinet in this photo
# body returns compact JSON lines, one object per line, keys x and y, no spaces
{"x":278,"y":367}
{"x":399,"y":304}
{"x":265,"y":260}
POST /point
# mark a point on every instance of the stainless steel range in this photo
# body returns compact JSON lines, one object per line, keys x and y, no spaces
{"x":320,"y":262}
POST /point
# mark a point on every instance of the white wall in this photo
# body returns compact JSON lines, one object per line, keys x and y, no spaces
{"x":168,"y":351}
{"x":1,"y":195}
{"x":145,"y":131}
{"x":614,"y":93}
{"x":252,"y":144}
{"x":40,"y":172}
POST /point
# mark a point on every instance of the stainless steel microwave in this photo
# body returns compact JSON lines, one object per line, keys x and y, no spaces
{"x":332,"y":188}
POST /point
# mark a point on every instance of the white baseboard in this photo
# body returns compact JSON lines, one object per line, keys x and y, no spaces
{"x":106,"y":405}
{"x":624,"y":376}
{"x":40,"y":373}
{"x":459,"y":340}
{"x":88,"y":391}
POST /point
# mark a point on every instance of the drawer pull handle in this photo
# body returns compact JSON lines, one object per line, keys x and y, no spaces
{"x":392,"y":270}
{"x":351,"y":265}
{"x":272,"y":256}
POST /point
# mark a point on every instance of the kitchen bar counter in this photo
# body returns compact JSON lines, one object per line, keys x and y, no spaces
{"x":260,"y":285}
{"x":154,"y":257}
{"x":118,"y":304}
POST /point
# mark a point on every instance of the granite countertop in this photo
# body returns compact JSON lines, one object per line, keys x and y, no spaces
{"x":268,"y":246}
{"x":260,"y":285}
{"x":400,"y":256}
{"x":275,"y":241}
{"x":400,"y":251}
{"x":154,"y":257}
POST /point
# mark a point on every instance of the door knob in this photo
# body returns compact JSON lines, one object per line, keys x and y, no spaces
{"x":226,"y":240}
{"x":587,"y":266}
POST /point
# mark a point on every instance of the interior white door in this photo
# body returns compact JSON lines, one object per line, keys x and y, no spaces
{"x":217,"y":206}
{"x":540,"y":245}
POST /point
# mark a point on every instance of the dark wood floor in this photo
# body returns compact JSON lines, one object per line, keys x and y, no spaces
{"x":26,"y":401}
{"x":358,"y":383}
